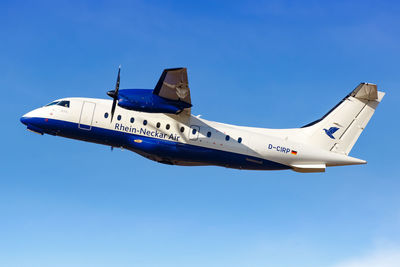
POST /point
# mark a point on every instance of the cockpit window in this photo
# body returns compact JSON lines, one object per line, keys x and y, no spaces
{"x":63,"y":103}
{"x":52,"y":103}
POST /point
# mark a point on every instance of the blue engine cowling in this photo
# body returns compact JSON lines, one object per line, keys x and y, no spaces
{"x":144,"y":100}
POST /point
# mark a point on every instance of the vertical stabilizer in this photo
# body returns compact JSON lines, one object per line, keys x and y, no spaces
{"x":340,"y":128}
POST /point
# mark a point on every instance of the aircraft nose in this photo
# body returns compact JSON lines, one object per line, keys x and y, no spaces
{"x":32,"y":123}
{"x":28,"y":117}
{"x":25,"y":120}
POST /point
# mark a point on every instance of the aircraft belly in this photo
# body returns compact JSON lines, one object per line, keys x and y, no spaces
{"x":163,"y":151}
{"x":191,"y":155}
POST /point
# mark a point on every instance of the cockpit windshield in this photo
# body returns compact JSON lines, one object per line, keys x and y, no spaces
{"x":63,"y":103}
{"x":52,"y":103}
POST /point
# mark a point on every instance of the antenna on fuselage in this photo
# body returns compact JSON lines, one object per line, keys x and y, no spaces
{"x":114,"y":94}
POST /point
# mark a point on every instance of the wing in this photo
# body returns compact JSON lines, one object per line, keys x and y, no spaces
{"x":173,"y":84}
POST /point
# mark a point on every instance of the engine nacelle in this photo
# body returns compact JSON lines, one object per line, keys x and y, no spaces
{"x":144,"y":100}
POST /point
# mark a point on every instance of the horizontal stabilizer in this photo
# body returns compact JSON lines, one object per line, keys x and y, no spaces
{"x":309,"y":168}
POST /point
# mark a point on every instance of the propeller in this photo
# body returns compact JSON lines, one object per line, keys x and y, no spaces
{"x":114,"y":94}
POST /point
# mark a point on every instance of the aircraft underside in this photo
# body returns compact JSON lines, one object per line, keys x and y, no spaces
{"x":162,"y":151}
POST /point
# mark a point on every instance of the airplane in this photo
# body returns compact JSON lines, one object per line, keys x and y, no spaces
{"x":158,"y":124}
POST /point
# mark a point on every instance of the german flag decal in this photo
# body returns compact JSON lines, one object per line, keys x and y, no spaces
{"x":294,"y":152}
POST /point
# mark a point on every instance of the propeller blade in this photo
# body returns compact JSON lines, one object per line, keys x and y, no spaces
{"x":114,"y":104}
{"x":117,"y":83}
{"x":114,"y":94}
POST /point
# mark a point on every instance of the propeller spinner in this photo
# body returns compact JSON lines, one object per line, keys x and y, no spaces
{"x":114,"y":94}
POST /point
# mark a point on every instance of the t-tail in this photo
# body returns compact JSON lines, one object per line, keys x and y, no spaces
{"x":340,"y":128}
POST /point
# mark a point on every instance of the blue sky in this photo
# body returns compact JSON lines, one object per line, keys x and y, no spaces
{"x":274,"y":64}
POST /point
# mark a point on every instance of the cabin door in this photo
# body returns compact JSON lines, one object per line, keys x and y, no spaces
{"x":86,"y":118}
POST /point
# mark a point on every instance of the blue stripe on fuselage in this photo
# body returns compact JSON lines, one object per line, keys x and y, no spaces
{"x":164,"y":150}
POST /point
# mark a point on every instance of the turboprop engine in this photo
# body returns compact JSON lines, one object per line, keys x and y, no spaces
{"x":171,"y":94}
{"x":145,"y":101}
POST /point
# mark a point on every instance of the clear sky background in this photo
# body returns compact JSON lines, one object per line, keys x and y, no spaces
{"x":276,"y":64}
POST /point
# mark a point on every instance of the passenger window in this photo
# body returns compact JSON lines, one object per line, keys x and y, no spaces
{"x":239,"y":140}
{"x":167,"y":126}
{"x":182,"y":129}
{"x":145,"y":122}
{"x":63,"y":103}
{"x":227,"y":138}
{"x":119,"y":117}
{"x":106,"y":115}
{"x":209,"y":134}
{"x":158,"y":125}
{"x":132,"y":120}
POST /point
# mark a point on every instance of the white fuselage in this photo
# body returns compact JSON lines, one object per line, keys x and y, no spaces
{"x":177,"y":139}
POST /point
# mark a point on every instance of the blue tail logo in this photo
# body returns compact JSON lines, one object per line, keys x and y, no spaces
{"x":331,"y":131}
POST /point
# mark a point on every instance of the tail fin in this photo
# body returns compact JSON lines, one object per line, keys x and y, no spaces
{"x":340,"y":128}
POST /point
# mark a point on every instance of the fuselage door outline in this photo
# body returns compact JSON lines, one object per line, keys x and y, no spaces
{"x":194,"y":132}
{"x":86,"y":117}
